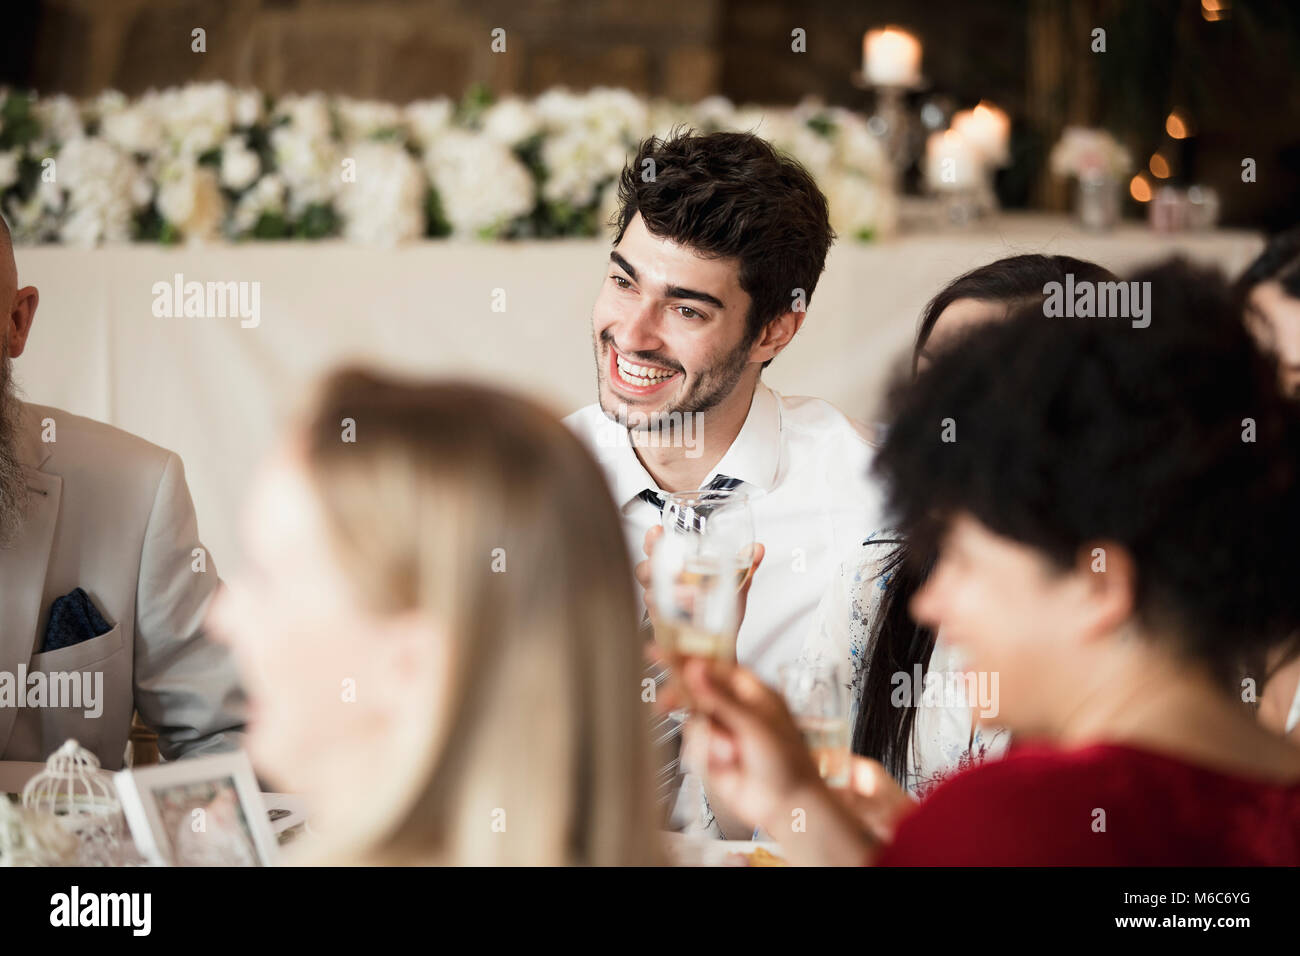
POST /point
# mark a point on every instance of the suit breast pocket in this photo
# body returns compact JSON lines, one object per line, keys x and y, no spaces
{"x":79,"y":656}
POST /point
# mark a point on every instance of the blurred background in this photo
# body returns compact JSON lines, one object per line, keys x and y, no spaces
{"x":424,"y":184}
{"x":1228,"y":66}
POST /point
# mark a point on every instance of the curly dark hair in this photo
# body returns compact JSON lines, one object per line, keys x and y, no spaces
{"x":1092,"y":430}
{"x":733,"y":195}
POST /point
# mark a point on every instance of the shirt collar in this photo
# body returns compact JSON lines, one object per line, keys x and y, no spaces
{"x":754,"y":457}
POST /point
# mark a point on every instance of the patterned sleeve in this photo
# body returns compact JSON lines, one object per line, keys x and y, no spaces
{"x":840,"y":629}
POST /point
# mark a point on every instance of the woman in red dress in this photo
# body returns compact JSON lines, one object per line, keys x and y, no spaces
{"x":1116,"y":522}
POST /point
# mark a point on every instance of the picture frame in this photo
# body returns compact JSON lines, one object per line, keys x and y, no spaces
{"x":205,"y":811}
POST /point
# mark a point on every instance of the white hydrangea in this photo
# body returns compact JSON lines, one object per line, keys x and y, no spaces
{"x":510,"y":121}
{"x":196,"y":118}
{"x":428,"y":119}
{"x":132,"y":126}
{"x":266,"y":196}
{"x":31,"y":221}
{"x":385,"y":205}
{"x":578,"y":164}
{"x":102,"y":189}
{"x":309,"y":164}
{"x":482,"y":184}
{"x":60,"y":120}
{"x":308,"y":115}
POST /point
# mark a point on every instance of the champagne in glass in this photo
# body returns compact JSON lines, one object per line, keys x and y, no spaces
{"x":697,"y":571}
{"x":818,"y":699}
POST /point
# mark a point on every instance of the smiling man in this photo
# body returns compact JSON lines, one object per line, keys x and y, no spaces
{"x":720,"y":242}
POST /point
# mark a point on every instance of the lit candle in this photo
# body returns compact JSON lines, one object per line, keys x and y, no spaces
{"x":987,"y":129}
{"x":951,"y":162}
{"x":891,"y":57}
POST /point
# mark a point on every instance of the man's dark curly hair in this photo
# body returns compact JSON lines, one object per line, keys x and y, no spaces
{"x":733,"y":195}
{"x":1071,"y":431}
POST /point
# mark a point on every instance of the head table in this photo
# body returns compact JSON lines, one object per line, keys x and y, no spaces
{"x":214,"y":389}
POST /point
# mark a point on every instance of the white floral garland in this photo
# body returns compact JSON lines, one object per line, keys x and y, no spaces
{"x":207,"y":161}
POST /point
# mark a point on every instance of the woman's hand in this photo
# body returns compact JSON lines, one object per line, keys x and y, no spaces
{"x":875,"y":798}
{"x":743,"y":741}
{"x":755,"y":763}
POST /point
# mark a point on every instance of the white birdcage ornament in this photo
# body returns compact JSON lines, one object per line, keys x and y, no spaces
{"x":75,"y":791}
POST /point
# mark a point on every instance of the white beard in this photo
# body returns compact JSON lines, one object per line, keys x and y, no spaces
{"x":13,"y":482}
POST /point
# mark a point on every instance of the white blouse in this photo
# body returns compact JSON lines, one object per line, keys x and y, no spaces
{"x":943,"y":741}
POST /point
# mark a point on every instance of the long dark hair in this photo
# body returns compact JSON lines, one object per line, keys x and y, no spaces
{"x":1280,"y":262}
{"x":896,"y":643}
{"x":1013,"y":281}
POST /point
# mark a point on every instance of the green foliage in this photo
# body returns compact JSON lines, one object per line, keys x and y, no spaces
{"x":317,"y":221}
{"x":18,"y":126}
{"x":435,"y":220}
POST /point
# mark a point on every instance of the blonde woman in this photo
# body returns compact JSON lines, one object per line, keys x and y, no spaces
{"x":437,"y":630}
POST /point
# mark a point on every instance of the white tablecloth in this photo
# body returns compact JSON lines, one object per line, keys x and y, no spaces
{"x":214,"y":392}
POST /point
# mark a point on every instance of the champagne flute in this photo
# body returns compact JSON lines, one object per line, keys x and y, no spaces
{"x":697,"y":571}
{"x":818,"y":699}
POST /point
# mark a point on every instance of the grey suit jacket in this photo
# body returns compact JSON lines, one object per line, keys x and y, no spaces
{"x":110,"y":513}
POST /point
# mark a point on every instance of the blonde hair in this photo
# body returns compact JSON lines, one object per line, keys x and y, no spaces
{"x":485,"y":511}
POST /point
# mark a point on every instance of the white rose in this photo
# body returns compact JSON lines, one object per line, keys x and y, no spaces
{"x":240,"y":166}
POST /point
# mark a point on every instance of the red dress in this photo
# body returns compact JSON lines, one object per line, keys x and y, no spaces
{"x":1103,"y":805}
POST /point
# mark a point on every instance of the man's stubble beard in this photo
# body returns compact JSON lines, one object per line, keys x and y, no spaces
{"x":13,"y":480}
{"x":709,"y":391}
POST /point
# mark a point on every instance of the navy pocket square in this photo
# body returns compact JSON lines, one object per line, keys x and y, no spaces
{"x":73,"y":619}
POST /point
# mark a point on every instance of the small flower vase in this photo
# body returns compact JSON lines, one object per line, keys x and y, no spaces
{"x":1097,"y":201}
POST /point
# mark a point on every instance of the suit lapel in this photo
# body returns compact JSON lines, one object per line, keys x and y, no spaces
{"x":23,"y":565}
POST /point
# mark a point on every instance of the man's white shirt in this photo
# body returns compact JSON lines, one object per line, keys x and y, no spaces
{"x":805,"y":464}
